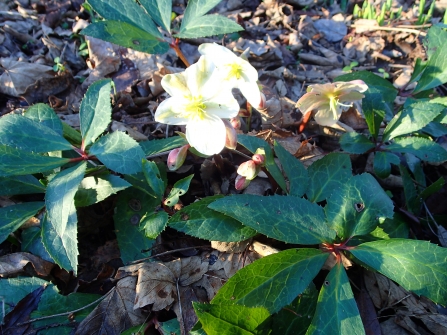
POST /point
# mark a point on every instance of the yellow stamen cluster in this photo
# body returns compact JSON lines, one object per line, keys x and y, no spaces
{"x":195,"y":109}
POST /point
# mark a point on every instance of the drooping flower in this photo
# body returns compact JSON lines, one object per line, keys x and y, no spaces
{"x":198,"y":100}
{"x":231,"y":136}
{"x":329,"y":100}
{"x":235,"y":71}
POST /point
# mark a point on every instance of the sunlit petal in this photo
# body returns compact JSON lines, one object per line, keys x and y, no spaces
{"x":224,"y":106}
{"x":351,"y":96}
{"x":200,"y":79}
{"x":207,"y":136}
{"x":327,"y":117}
{"x":170,"y":111}
{"x":175,"y":84}
{"x":356,"y":85}
{"x":251,"y":92}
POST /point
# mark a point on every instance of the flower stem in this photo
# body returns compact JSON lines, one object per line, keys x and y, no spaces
{"x":174,"y":45}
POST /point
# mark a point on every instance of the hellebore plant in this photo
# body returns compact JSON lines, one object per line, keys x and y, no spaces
{"x":329,"y":100}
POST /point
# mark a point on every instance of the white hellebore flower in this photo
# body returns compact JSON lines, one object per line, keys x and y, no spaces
{"x":329,"y":100}
{"x":235,"y":71}
{"x":199,"y":101}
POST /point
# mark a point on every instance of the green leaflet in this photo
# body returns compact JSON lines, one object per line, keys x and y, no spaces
{"x":22,"y":133}
{"x":357,"y":206}
{"x":12,"y":217}
{"x":414,"y":116}
{"x":95,"y":111}
{"x":327,"y":176}
{"x":160,"y":12}
{"x":16,"y":162}
{"x":118,"y":152}
{"x":154,"y":224}
{"x":422,"y":148}
{"x":32,"y":243}
{"x":156,"y":146}
{"x":418,"y":266}
{"x":295,"y":171}
{"x":45,"y":115}
{"x":382,"y":163}
{"x":355,"y":143}
{"x":153,"y":178}
{"x":287,"y":219}
{"x":200,"y":221}
{"x":337,"y":311}
{"x":127,"y":35}
{"x":233,"y":319}
{"x":208,"y":25}
{"x":197,"y":8}
{"x":273,"y":281}
{"x":179,"y":189}
{"x":27,"y":184}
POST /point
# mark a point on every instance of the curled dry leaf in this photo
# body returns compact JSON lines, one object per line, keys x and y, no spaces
{"x":24,"y":263}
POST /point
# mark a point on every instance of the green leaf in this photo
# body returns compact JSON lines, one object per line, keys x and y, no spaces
{"x":295,"y":171}
{"x":273,"y":281}
{"x":153,"y":147}
{"x":414,"y":116}
{"x":327,"y":176}
{"x":287,"y":219}
{"x":153,"y":224}
{"x":131,"y":206}
{"x":27,"y":184}
{"x":139,"y":330}
{"x":52,"y":303}
{"x":396,"y":227}
{"x":95,"y":111}
{"x":232,"y":319}
{"x":296,"y":317}
{"x":200,"y":221}
{"x":252,"y":144}
{"x":436,"y":37}
{"x":153,"y":178}
{"x":15,"y":289}
{"x":17,"y":162}
{"x":412,"y":198}
{"x":45,"y":115}
{"x":356,"y":207}
{"x":72,"y":135}
{"x":59,"y":228}
{"x":435,"y":72}
{"x":208,"y":25}
{"x":379,"y":98}
{"x":126,"y":35}
{"x":32,"y":243}
{"x":12,"y":217}
{"x":337,"y":311}
{"x":382,"y":163}
{"x":160,"y":11}
{"x":179,"y":189}
{"x":97,"y":188}
{"x":422,"y":148}
{"x":418,"y":266}
{"x":139,"y":181}
{"x":433,"y":188}
{"x":197,"y":8}
{"x":25,"y":134}
{"x":118,"y":152}
{"x":355,"y":143}
{"x":127,"y":11}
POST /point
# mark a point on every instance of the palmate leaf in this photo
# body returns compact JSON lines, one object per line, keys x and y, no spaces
{"x":287,"y":219}
{"x":95,"y":111}
{"x":273,"y":281}
{"x":208,"y":25}
{"x":418,"y":266}
{"x":45,"y":115}
{"x":200,"y":221}
{"x":22,"y":133}
{"x":160,"y":11}
{"x":233,"y":319}
{"x":118,"y":152}
{"x":12,"y":217}
{"x":356,"y":208}
{"x":127,"y":35}
{"x":337,"y":311}
{"x":16,"y":162}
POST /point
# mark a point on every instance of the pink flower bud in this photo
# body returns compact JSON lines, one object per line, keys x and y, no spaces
{"x":241,"y":183}
{"x":258,"y":159}
{"x":236,"y":122}
{"x":231,"y":136}
{"x":177,"y":157}
{"x":248,"y":169}
{"x":263,"y":102}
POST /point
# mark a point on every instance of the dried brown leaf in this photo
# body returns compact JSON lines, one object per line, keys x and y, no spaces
{"x":24,"y":263}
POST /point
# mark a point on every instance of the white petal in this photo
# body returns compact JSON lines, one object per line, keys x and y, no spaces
{"x":175,"y":84}
{"x":221,"y":56}
{"x":169,"y":111}
{"x":224,"y":106}
{"x":251,"y":92}
{"x":326,"y":117}
{"x":200,"y":77}
{"x":207,"y":136}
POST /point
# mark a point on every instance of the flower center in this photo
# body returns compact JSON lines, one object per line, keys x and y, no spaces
{"x":235,"y":71}
{"x":195,"y":109}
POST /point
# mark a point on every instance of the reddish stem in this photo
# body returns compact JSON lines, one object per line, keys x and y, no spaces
{"x":175,"y":45}
{"x":306,"y":118}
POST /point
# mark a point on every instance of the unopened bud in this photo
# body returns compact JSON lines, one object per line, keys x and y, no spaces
{"x":177,"y":157}
{"x":249,"y":169}
{"x":263,"y":102}
{"x":258,"y":159}
{"x":231,"y":135}
{"x":236,"y":122}
{"x":241,"y":183}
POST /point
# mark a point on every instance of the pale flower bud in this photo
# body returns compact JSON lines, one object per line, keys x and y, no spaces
{"x":231,"y":135}
{"x":249,"y":169}
{"x":262,"y":104}
{"x":236,"y":122}
{"x":258,"y":159}
{"x":177,"y":157}
{"x":241,"y":183}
